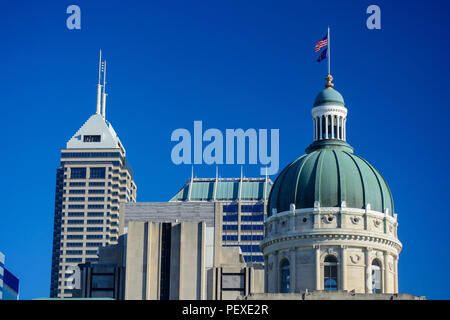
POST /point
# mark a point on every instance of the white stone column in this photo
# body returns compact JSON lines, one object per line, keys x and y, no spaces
{"x":344,"y":129}
{"x":316,"y":129}
{"x":321,"y":129}
{"x":385,"y":273}
{"x":318,"y":278}
{"x":276,"y":271}
{"x":332,"y":126}
{"x":339,"y":128}
{"x":326,"y":127}
{"x":343,"y":268}
{"x":266,"y":273}
{"x":293,"y":270}
{"x":396,"y":274}
{"x":368,"y":272}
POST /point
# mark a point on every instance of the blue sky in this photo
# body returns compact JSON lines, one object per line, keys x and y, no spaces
{"x":231,"y":64}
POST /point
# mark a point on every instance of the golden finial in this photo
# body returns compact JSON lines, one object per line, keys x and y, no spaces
{"x":329,"y":78}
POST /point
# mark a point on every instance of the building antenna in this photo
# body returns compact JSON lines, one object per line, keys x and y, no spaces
{"x":99,"y":86}
{"x":104,"y":93}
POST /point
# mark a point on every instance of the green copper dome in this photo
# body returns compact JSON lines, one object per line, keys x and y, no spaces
{"x":329,"y":96}
{"x":330,"y":173}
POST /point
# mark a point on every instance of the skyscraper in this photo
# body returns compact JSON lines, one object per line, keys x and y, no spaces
{"x":93,"y":178}
{"x":241,"y":202}
{"x":9,"y":283}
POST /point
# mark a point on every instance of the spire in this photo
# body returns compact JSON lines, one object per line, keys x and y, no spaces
{"x":104,"y":93}
{"x":329,"y":78}
{"x":99,"y":86}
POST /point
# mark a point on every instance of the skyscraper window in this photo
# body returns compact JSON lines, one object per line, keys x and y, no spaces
{"x":92,"y":138}
{"x":97,"y":173}
{"x":78,"y":173}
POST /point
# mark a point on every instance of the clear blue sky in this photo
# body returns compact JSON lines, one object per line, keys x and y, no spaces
{"x":231,"y":64}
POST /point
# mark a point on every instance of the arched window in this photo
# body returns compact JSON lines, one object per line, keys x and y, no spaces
{"x":285,"y":276}
{"x":376,"y":276}
{"x":330,"y":273}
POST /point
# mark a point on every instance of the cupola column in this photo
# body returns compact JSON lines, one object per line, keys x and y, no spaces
{"x":315,"y":129}
{"x":344,"y":129}
{"x":320,"y":132}
{"x":332,"y":126}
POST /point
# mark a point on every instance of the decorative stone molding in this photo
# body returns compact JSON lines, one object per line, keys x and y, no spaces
{"x":355,"y":258}
{"x":292,"y":208}
{"x":336,"y":210}
{"x":328,"y":218}
{"x":329,"y":236}
{"x":284,"y":254}
{"x":376,"y":223}
{"x":328,"y":109}
{"x":355,"y":220}
{"x":379,"y":255}
{"x":328,"y":251}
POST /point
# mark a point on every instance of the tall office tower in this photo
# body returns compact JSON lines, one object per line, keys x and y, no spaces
{"x":93,"y":178}
{"x":242,"y":205}
{"x":9,"y":283}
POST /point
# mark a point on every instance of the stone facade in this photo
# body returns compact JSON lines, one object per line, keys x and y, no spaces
{"x":330,"y":295}
{"x":199,"y":267}
{"x":356,"y":238}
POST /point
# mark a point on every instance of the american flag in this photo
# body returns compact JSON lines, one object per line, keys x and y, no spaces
{"x":322,"y":43}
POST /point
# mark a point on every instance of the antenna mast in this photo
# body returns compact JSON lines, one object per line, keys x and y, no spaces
{"x":104,"y":93}
{"x":99,"y":86}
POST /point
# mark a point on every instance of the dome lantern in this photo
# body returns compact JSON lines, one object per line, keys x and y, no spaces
{"x":329,"y":114}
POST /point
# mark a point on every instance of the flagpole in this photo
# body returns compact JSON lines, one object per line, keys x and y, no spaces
{"x":329,"y":53}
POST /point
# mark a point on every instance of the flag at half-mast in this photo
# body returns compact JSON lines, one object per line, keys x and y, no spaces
{"x":322,"y":43}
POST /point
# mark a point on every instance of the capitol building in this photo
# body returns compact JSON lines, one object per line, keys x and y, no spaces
{"x":332,"y":225}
